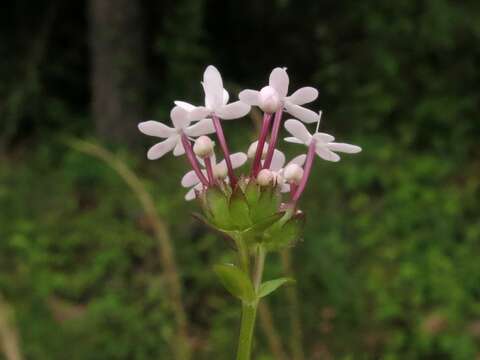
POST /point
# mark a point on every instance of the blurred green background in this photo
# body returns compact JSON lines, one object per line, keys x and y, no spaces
{"x":389,"y":267}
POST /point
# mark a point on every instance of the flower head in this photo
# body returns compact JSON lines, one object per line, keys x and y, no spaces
{"x":191,"y":180}
{"x":216,"y":99}
{"x":274,"y":97}
{"x":325,"y":147}
{"x":181,"y":120}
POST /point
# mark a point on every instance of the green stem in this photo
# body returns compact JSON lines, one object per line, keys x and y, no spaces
{"x":249,"y":312}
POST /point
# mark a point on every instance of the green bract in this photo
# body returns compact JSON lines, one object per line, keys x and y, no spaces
{"x":251,"y":214}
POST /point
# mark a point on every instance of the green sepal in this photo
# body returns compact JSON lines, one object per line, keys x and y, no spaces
{"x":236,"y":282}
{"x":252,"y":192}
{"x":266,"y":205}
{"x":217,"y":204}
{"x":239,"y":211}
{"x":270,"y":286}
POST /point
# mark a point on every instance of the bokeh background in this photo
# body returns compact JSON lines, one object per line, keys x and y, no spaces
{"x":389,"y":267}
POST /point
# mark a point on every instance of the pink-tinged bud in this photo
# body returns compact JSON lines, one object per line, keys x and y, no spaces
{"x":293,"y":173}
{"x":265,"y":177}
{"x":252,"y":150}
{"x":220,"y":171}
{"x":203,"y":147}
{"x":269,"y":100}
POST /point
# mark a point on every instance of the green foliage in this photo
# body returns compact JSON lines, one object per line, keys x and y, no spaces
{"x":270,"y":286}
{"x":236,"y":282}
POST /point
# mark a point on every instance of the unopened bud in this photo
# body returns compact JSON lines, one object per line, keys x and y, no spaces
{"x":293,"y":173}
{"x":203,"y":147}
{"x":265,"y":177}
{"x":220,"y":171}
{"x":252,"y":150}
{"x":269,"y":100}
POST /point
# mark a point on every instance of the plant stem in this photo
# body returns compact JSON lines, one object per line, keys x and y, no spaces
{"x":273,"y":139}
{"x":249,"y":312}
{"x":226,"y":152}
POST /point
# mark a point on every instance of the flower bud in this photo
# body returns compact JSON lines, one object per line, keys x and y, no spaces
{"x":293,"y":173}
{"x":252,"y":150}
{"x":265,"y":177}
{"x":269,"y":100}
{"x":203,"y":147}
{"x":220,"y":171}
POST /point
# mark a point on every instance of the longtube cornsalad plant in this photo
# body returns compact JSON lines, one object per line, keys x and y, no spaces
{"x":258,"y":210}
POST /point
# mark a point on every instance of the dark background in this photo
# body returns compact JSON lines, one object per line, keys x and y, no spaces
{"x":389,"y":266}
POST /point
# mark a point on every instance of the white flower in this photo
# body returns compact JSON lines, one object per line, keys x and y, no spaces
{"x":203,"y":146}
{"x":277,"y":168}
{"x":273,"y":97}
{"x":181,"y":120}
{"x":216,"y":99}
{"x":324,"y":143}
{"x":265,"y":177}
{"x":191,"y":180}
{"x":293,"y":173}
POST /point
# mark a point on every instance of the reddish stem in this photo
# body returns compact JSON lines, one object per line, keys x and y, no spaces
{"x":226,"y":153}
{"x":293,"y":188}
{"x":193,"y":159}
{"x":261,"y":143}
{"x":208,"y":166}
{"x":306,"y":171}
{"x":273,"y":139}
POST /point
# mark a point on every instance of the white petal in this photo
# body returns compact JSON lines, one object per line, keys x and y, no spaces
{"x":303,"y":95}
{"x":237,"y":159}
{"x":278,"y":160}
{"x":250,"y":97}
{"x":190,"y":179}
{"x":234,"y":110}
{"x":279,"y":81}
{"x":160,"y":149}
{"x":155,"y":128}
{"x":226,"y":96}
{"x":179,"y":150}
{"x":203,"y":127}
{"x":184,"y":105}
{"x":301,"y":113}
{"x":326,"y":154}
{"x":285,"y":188}
{"x":297,"y":129}
{"x":345,"y":148}
{"x":292,"y":139}
{"x":191,"y":194}
{"x":180,"y":117}
{"x":299,"y":160}
{"x":213,"y":86}
{"x":200,"y":112}
{"x":323,"y":137}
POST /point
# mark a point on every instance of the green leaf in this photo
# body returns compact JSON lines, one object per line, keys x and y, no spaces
{"x":236,"y":282}
{"x":281,"y":236}
{"x":270,"y":286}
{"x":261,"y":226}
{"x":239,"y":211}
{"x":218,"y":207}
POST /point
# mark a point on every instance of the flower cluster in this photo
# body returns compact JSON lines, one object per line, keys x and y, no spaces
{"x":192,"y":124}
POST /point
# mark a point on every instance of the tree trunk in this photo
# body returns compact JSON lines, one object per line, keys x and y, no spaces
{"x":117,"y":60}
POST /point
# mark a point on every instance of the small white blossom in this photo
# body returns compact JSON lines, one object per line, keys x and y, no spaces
{"x":325,"y":146}
{"x":252,"y":150}
{"x":181,"y":120}
{"x":277,"y":167}
{"x":273,"y":97}
{"x":191,"y":180}
{"x":216,"y":99}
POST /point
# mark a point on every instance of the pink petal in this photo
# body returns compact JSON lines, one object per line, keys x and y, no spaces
{"x":298,"y":130}
{"x":203,"y":127}
{"x":179,"y":150}
{"x":278,"y":160}
{"x":155,"y":128}
{"x":213,"y":86}
{"x":160,"y":149}
{"x":234,"y":110}
{"x":326,"y":154}
{"x":180,"y":117}
{"x":345,"y":148}
{"x":250,"y":97}
{"x":303,"y":95}
{"x":279,"y":81}
{"x":301,"y":113}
